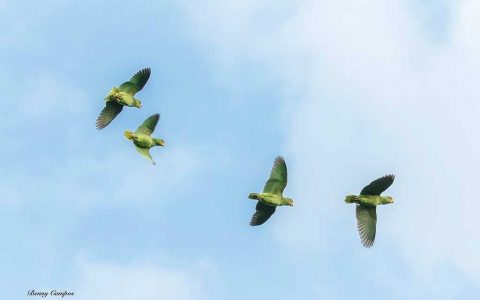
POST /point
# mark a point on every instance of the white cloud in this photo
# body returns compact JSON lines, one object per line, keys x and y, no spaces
{"x":143,"y":281}
{"x":363,"y":73}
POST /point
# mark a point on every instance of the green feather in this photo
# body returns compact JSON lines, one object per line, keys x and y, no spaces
{"x":122,"y":96}
{"x":111,"y":110}
{"x":142,"y":139}
{"x":148,"y":126}
{"x":272,"y":193}
{"x":278,"y":177}
{"x":262,"y":214}
{"x":366,"y":224}
{"x":378,"y":186}
{"x":145,"y":153}
{"x":366,"y":207}
{"x":136,"y":83}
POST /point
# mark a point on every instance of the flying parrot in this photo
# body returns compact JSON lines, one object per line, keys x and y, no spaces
{"x":122,"y":96}
{"x":142,"y":139}
{"x":272,"y":193}
{"x":366,"y":208}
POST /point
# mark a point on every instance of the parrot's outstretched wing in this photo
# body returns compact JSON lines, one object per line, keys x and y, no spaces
{"x":145,"y":153}
{"x":262,"y":214}
{"x":148,"y":126}
{"x":278,"y":177}
{"x":376,"y":187}
{"x":366,"y":224}
{"x":136,"y":83}
{"x":111,"y":110}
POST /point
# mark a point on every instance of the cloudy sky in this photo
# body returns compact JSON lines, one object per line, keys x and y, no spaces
{"x":347,"y":91}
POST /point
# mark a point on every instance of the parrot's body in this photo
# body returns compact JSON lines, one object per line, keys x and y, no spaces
{"x":369,"y":201}
{"x":272,"y":195}
{"x":142,"y":139}
{"x":270,"y":199}
{"x":145,"y":141}
{"x":122,"y":96}
{"x":366,"y":208}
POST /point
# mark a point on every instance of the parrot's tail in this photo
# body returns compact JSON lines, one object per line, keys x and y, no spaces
{"x":253,"y":196}
{"x":128,"y":134}
{"x":351,"y":199}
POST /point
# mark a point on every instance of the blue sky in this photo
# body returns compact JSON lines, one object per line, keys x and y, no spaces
{"x":346,"y":91}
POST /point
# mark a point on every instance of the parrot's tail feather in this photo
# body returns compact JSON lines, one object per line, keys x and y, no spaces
{"x":351,"y":199}
{"x":253,"y":196}
{"x":128,"y":134}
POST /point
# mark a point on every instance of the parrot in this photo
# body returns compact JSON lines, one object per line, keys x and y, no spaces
{"x":366,"y":207}
{"x":142,"y":139}
{"x":122,"y":96}
{"x":272,"y":194}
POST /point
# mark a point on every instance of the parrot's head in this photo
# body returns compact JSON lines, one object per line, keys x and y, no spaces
{"x":137,"y":103}
{"x":289,"y":201}
{"x":130,"y":135}
{"x":161,"y":142}
{"x":389,"y":200}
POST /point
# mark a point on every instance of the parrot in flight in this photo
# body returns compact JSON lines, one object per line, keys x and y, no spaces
{"x":366,"y":208}
{"x":142,"y":137}
{"x":122,"y":96}
{"x":271,"y":197}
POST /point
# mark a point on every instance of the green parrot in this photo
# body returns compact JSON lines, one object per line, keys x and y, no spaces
{"x":122,"y":96}
{"x":366,"y":208}
{"x":272,"y":193}
{"x":142,"y":139}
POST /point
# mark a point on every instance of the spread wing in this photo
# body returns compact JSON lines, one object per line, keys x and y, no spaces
{"x":148,"y":126}
{"x":262,"y":214}
{"x":278,"y":177}
{"x":366,"y":224}
{"x":136,"y":83}
{"x":111,"y":110}
{"x":376,"y":187}
{"x":145,"y":153}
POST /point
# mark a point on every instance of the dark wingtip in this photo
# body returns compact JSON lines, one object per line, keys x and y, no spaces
{"x":252,"y":223}
{"x":100,"y":125}
{"x":279,"y":160}
{"x":146,"y":70}
{"x":368,"y":245}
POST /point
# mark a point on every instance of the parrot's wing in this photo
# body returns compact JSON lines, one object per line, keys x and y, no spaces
{"x":145,"y":153}
{"x":378,"y":186}
{"x":262,"y":214}
{"x":136,"y":83}
{"x":111,"y":110}
{"x":278,"y":177}
{"x":366,"y":224}
{"x":148,"y":126}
